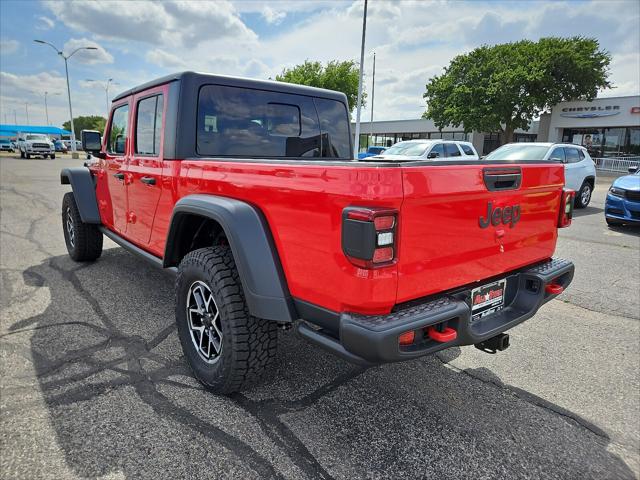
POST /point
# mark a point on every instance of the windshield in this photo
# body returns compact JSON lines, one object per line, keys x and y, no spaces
{"x":413,"y":149}
{"x":518,"y":152}
{"x":37,"y":137}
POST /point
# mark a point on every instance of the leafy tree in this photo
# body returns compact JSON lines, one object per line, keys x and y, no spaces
{"x":340,"y":76}
{"x":91,"y":122}
{"x":502,"y":87}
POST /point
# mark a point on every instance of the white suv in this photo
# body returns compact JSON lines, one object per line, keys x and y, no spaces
{"x":579,"y":169}
{"x":428,"y":149}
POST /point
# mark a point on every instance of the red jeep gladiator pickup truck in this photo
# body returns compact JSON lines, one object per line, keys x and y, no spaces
{"x":249,"y":191}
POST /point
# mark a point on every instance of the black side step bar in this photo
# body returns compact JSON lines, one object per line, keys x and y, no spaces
{"x":330,"y":344}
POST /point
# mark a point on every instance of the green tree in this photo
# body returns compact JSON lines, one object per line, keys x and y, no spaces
{"x":91,"y":122}
{"x":503,"y":87}
{"x":339,"y":76}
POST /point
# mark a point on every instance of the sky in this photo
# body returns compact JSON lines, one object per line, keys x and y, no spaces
{"x":138,"y":41}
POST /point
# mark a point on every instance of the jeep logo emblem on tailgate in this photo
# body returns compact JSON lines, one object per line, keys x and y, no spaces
{"x":507,"y":216}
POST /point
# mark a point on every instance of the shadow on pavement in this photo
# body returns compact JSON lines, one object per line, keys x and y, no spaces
{"x":589,"y":210}
{"x":121,"y":400}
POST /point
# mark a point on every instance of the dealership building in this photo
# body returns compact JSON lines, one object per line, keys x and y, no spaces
{"x":608,"y":127}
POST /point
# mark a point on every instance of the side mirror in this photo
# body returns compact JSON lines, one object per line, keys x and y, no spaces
{"x":633,"y":169}
{"x":433,"y":155}
{"x":91,"y":142}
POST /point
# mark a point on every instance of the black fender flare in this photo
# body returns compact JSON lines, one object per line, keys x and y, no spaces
{"x":84,"y":191}
{"x":255,"y":254}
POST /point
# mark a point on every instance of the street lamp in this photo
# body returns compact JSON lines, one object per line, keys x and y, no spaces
{"x":46,"y":109}
{"x":66,"y":69}
{"x":106,"y":89}
{"x":26,"y":108}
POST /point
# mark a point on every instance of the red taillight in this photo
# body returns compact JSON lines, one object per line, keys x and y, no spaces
{"x":566,"y":208}
{"x":384,"y":223}
{"x":369,"y":236}
{"x":382,"y":255}
{"x":407,"y":338}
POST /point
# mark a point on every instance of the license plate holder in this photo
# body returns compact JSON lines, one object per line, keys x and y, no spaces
{"x":488,"y":299}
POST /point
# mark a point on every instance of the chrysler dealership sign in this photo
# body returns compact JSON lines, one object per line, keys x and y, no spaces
{"x":590,"y":112}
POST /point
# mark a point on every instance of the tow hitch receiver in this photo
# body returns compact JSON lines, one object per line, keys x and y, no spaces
{"x":492,"y":345}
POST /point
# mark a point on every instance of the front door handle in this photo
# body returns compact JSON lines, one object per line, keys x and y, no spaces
{"x":119,"y":175}
{"x":148,"y":180}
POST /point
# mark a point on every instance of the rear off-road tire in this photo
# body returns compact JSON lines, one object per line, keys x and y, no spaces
{"x":226,"y":348}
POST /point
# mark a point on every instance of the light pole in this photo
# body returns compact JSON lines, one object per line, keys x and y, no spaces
{"x":26,"y":108}
{"x":106,"y":89}
{"x":359,"y":101}
{"x":46,"y":108}
{"x":373,"y":93}
{"x":66,"y":70}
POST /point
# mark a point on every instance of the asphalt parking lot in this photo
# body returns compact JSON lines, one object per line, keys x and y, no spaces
{"x":93,"y":383}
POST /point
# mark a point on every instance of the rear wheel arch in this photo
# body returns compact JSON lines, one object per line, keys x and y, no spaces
{"x":200,"y":221}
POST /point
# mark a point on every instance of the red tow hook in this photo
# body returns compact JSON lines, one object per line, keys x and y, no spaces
{"x":444,"y":336}
{"x":554,"y":288}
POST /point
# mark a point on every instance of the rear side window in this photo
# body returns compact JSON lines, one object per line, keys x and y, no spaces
{"x":572,"y":155}
{"x":334,"y":128}
{"x":149,"y":125}
{"x":467,"y":149}
{"x":119,"y":130}
{"x":240,"y":122}
{"x":581,"y":153}
{"x":557,"y":155}
{"x":452,"y":150}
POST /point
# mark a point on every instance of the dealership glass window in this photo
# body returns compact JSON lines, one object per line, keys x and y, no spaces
{"x":613,"y":141}
{"x":633,"y":141}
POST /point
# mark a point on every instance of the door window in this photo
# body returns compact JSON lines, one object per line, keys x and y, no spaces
{"x":572,"y":155}
{"x":149,"y":125}
{"x":452,"y":150}
{"x":467,"y":149}
{"x":118,"y":130}
{"x":557,"y":155}
{"x":438,"y":150}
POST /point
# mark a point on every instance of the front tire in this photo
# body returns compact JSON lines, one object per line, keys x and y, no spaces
{"x":27,"y":156}
{"x":83,"y":240}
{"x":53,"y":156}
{"x":226,"y":348}
{"x":21,"y":154}
{"x":584,"y":195}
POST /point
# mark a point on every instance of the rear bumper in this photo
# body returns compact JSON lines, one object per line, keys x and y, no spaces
{"x":374,"y":339}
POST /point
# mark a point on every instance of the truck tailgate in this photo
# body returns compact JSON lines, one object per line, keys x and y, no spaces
{"x":446,"y":239}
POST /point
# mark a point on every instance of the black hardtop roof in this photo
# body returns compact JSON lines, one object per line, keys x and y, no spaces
{"x":207,"y":78}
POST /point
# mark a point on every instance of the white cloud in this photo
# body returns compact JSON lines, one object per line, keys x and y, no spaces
{"x":44,"y":23}
{"x":35,"y":84}
{"x":165,"y":59}
{"x":272,"y":16}
{"x":7,"y":46}
{"x":180,"y":23}
{"x":89,"y":57}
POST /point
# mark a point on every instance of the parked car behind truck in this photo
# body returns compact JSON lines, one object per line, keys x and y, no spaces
{"x":579,"y":168}
{"x":249,"y":192}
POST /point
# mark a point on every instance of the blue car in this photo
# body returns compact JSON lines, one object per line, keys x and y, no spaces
{"x":371,"y":151}
{"x":623,"y":200}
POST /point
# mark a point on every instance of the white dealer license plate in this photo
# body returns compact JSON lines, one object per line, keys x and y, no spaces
{"x":487,"y":299}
